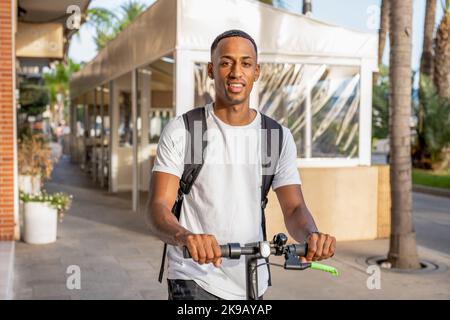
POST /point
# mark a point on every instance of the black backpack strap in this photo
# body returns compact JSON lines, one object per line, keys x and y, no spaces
{"x":270,"y":130}
{"x":195,"y":124}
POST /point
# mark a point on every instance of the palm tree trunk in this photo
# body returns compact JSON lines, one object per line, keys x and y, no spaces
{"x":426,"y":69}
{"x":442,"y":54}
{"x":307,"y":7}
{"x":384,"y":28}
{"x":403,"y":248}
{"x":426,"y":62}
{"x":382,"y":32}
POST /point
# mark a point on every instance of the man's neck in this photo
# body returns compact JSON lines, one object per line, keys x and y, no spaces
{"x":234,"y":115}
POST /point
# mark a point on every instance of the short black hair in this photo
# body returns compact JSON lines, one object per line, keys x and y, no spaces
{"x":233,"y":33}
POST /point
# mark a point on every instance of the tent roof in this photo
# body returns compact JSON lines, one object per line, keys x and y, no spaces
{"x":193,"y":24}
{"x":274,"y":30}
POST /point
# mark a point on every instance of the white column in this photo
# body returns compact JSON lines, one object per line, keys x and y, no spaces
{"x":72,"y":110}
{"x":87,"y":130}
{"x":144,"y":85}
{"x":113,"y":135}
{"x":184,"y":82}
{"x":102,"y":136}
{"x":94,"y":139}
{"x":308,"y":124}
{"x":135,"y":191}
{"x":365,"y":115}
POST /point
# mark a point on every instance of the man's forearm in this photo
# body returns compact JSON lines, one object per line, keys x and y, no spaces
{"x":165,"y":225}
{"x":300,"y":223}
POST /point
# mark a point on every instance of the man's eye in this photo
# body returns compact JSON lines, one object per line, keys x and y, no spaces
{"x":247,"y":64}
{"x":225,"y":63}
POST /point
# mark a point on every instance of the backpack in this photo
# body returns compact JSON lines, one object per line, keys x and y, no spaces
{"x":193,"y":165}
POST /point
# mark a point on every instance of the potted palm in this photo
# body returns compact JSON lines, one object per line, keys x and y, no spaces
{"x":41,"y":214}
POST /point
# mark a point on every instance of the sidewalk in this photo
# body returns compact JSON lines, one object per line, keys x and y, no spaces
{"x":118,"y":258}
{"x":6,"y":269}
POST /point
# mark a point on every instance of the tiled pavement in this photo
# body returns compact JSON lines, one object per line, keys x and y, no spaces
{"x":119,"y":259}
{"x":117,"y":256}
{"x":6,"y":269}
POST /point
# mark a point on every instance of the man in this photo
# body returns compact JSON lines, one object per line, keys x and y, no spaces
{"x":224,"y":203}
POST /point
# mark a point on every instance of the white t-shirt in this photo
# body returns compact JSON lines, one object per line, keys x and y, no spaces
{"x":225,"y":200}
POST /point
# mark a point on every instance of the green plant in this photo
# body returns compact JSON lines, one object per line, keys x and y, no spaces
{"x":33,"y":98}
{"x":61,"y":201}
{"x":380,"y":105}
{"x":436,"y":123}
{"x":57,"y":81}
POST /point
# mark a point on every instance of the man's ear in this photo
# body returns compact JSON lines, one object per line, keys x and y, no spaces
{"x":210,"y":70}
{"x":257,"y":71}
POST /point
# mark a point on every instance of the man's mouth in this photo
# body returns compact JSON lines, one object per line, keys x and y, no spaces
{"x":235,"y":87}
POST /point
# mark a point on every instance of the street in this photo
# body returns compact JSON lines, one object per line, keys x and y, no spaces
{"x":432,"y":221}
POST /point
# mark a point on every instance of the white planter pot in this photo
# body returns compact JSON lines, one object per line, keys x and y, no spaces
{"x":40,"y":223}
{"x":30,"y":184}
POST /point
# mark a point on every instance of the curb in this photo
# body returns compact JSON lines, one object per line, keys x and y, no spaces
{"x":433,"y":191}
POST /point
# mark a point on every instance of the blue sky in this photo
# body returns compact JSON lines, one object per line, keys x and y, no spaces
{"x":355,"y":14}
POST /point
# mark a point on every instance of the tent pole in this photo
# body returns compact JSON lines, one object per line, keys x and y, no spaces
{"x":135,"y":192}
{"x":102,"y":137}
{"x":113,"y":135}
{"x":308,"y":123}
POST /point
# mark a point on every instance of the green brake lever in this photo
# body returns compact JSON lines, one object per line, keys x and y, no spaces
{"x":323,"y":267}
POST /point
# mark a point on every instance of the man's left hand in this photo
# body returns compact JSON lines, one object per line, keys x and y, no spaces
{"x":320,"y":246}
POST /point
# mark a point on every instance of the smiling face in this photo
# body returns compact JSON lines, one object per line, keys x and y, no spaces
{"x":234,"y":68}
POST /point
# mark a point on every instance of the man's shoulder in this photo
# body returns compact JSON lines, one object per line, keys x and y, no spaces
{"x":174,"y":129}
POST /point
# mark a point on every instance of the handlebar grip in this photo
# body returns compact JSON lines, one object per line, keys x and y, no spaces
{"x":224,"y":252}
{"x":300,"y":249}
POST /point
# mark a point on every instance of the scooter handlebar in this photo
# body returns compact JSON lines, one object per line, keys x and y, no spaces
{"x":234,"y":250}
{"x":224,"y":252}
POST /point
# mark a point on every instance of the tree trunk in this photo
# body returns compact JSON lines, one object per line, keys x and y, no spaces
{"x":384,"y":28}
{"x":382,"y":32}
{"x":426,"y":62}
{"x":426,"y":69}
{"x":403,"y":249}
{"x":442,"y":55}
{"x":307,"y":7}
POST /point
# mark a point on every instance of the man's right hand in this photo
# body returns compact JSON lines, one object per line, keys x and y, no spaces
{"x":203,"y":248}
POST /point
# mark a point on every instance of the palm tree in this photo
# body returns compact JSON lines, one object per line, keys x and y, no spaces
{"x":102,"y":20}
{"x":130,"y":11}
{"x":57,"y":84}
{"x":426,"y":62}
{"x":426,"y":69}
{"x":403,"y":247}
{"x":307,"y":7}
{"x":384,"y":28}
{"x":442,"y":54}
{"x":382,"y":32}
{"x":108,"y":24}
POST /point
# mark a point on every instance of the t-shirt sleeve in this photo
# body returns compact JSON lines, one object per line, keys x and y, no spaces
{"x":170,"y":150}
{"x":286,"y":172}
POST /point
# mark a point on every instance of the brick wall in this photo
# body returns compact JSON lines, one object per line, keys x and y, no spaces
{"x":6,"y":123}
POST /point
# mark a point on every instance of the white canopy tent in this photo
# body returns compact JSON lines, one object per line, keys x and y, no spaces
{"x":316,"y":78}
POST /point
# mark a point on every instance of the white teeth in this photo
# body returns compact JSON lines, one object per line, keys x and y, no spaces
{"x":237,"y":85}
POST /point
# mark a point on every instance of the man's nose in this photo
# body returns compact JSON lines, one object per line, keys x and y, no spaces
{"x":236,"y":71}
